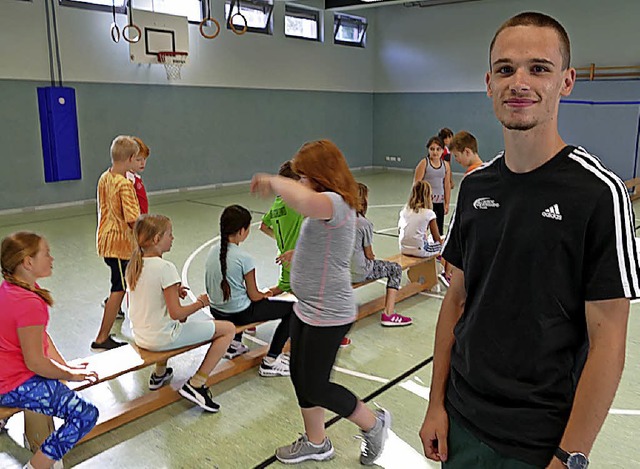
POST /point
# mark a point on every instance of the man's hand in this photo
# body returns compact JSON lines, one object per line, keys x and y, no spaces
{"x":434,"y":432}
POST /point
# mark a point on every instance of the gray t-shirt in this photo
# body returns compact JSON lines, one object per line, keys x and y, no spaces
{"x":321,"y":268}
{"x":360,"y":265}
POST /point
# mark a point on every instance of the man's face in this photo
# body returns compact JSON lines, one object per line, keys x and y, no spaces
{"x":526,"y":80}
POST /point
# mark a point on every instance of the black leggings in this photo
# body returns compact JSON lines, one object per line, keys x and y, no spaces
{"x":263,"y":310}
{"x":439,"y":209}
{"x":313,"y":353}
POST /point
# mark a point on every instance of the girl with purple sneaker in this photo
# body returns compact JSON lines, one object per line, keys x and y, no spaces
{"x":326,"y":196}
{"x":365,"y":266}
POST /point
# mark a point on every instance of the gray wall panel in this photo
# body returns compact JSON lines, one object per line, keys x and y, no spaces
{"x":197,"y":136}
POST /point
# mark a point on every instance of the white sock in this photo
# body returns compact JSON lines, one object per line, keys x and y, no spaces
{"x":313,"y":445}
{"x":269,"y":360}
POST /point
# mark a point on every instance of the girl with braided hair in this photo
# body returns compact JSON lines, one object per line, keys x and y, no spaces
{"x":32,"y":367}
{"x":230,"y":278}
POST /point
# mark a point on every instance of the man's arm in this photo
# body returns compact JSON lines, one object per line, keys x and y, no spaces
{"x":435,"y":428}
{"x":607,"y":329}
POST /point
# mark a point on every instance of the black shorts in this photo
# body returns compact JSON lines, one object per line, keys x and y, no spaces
{"x":118,"y":267}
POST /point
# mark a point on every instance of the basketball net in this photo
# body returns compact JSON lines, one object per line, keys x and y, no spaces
{"x":173,"y":62}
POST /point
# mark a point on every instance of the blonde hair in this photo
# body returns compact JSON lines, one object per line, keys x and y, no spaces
{"x":123,"y":147}
{"x":363,"y":203}
{"x":144,"y":149}
{"x":420,"y":197}
{"x":146,"y":228}
{"x":15,"y":248}
{"x":324,"y":164}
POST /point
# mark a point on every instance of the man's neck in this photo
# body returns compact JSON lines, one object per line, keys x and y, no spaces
{"x":530,"y":149}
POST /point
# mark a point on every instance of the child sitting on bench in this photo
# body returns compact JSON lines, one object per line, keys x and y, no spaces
{"x":416,"y":219}
{"x":365,"y":266}
{"x":32,"y":367}
{"x":159,"y":321}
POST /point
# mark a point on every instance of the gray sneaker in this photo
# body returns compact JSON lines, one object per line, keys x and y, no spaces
{"x":302,"y":450}
{"x":373,"y":441}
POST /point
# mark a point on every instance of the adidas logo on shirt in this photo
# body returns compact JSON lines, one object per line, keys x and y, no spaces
{"x":552,"y":212}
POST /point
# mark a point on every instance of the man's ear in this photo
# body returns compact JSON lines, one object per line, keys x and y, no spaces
{"x":487,"y":81}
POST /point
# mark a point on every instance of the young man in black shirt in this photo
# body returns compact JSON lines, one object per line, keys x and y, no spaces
{"x":530,"y":341}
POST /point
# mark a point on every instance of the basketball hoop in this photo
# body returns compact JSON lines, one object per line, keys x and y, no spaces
{"x":173,"y":62}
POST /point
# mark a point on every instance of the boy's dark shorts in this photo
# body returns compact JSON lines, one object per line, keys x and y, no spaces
{"x":118,"y":267}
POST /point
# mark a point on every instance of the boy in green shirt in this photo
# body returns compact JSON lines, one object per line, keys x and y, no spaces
{"x":282,"y":223}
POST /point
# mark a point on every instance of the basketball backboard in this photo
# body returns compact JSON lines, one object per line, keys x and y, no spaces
{"x":160,"y":33}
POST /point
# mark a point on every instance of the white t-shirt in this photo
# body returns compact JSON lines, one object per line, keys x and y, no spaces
{"x":413,"y":230}
{"x":152,"y":326}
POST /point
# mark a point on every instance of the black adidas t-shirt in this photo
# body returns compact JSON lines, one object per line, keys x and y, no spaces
{"x":533,"y":247}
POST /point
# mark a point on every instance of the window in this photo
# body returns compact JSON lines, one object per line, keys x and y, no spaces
{"x":192,"y":9}
{"x":256,"y":12}
{"x":302,"y":23}
{"x":104,"y":5}
{"x":349,"y":30}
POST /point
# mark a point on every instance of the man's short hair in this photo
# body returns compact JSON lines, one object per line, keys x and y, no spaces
{"x":462,"y":140}
{"x":540,"y":20}
{"x":123,"y":147}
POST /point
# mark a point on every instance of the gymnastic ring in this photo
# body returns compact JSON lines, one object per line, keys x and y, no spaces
{"x":239,"y":32}
{"x":209,"y":36}
{"x":115,"y":33}
{"x":131,"y":26}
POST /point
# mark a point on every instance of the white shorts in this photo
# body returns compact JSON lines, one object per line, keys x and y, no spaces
{"x":191,"y":333}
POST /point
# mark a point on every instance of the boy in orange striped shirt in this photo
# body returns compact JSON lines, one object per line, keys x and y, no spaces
{"x":118,"y":210}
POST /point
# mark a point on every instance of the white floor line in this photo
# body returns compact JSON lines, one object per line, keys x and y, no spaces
{"x":415,"y":388}
{"x":385,"y":230}
{"x":398,"y":454}
{"x":357,"y":374}
{"x":624,"y":412}
{"x":431,"y":295}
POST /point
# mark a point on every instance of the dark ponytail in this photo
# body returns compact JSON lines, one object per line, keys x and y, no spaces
{"x":232,"y":220}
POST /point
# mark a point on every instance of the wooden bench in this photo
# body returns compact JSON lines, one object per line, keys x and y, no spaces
{"x":422,"y":274}
{"x":117,"y":362}
{"x":633,"y":185}
{"x":114,"y":363}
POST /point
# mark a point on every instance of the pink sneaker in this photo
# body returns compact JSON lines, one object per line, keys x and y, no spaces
{"x":395,"y":320}
{"x":251,"y":331}
{"x":346,"y":341}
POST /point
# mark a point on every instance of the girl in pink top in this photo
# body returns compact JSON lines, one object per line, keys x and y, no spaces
{"x":31,"y":364}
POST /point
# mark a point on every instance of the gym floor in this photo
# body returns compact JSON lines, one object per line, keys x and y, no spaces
{"x":260,"y":414}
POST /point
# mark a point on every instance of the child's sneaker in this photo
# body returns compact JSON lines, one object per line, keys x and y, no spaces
{"x":395,"y":320}
{"x":303,"y":450}
{"x":108,"y":344}
{"x":346,"y":341}
{"x":156,"y":382}
{"x":446,"y":281}
{"x":373,"y":441}
{"x":200,"y":396}
{"x":235,"y":350}
{"x":278,"y":366}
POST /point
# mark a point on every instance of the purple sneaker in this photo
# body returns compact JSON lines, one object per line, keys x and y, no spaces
{"x":395,"y":320}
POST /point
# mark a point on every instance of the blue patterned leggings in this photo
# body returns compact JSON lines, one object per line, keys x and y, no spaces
{"x":51,"y":397}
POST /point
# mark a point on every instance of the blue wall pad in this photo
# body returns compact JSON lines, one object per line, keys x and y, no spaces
{"x":59,"y":129}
